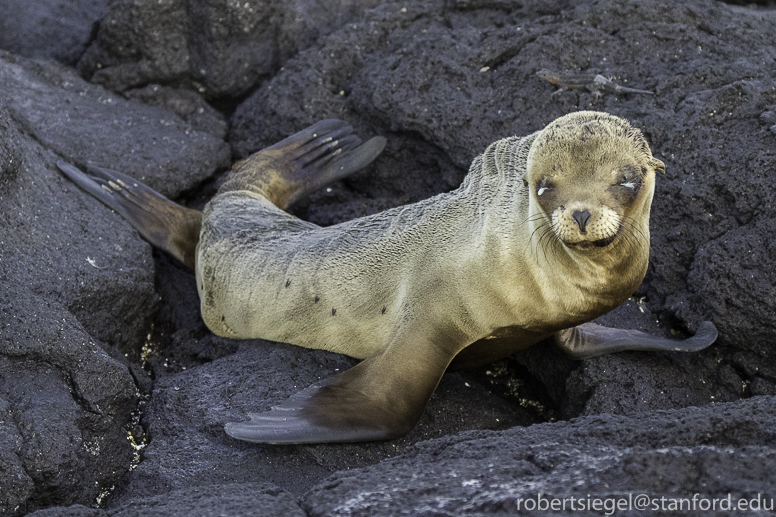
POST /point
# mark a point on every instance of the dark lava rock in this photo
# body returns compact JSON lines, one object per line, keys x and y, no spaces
{"x":714,"y":451}
{"x":186,"y":104}
{"x":233,"y":500}
{"x":86,"y":124}
{"x":61,"y":245}
{"x":192,"y":402}
{"x":45,"y":215}
{"x":56,"y":29}
{"x":77,"y":291}
{"x":65,"y":407}
{"x":222,"y":49}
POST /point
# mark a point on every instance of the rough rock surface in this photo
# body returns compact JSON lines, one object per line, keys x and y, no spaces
{"x":81,"y":293}
{"x":714,"y":451}
{"x":222,"y":49}
{"x":65,"y":406}
{"x":69,"y":266}
{"x":187,"y":104}
{"x":56,"y":29}
{"x":723,"y":452}
{"x":86,"y":124}
{"x":234,"y":500}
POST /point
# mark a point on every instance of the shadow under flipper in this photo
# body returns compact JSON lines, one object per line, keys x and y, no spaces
{"x":163,"y":223}
{"x":591,"y":340}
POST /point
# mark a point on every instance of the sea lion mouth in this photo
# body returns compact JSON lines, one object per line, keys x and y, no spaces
{"x":600,"y":243}
{"x":586,"y":245}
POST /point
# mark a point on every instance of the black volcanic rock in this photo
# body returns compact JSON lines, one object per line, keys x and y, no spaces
{"x":56,"y":29}
{"x":66,"y":407}
{"x":187,"y":104}
{"x":86,"y":124}
{"x":234,"y":500}
{"x":191,"y":403}
{"x":222,"y":49}
{"x":441,"y":79}
{"x":716,"y":451}
{"x":77,"y":288}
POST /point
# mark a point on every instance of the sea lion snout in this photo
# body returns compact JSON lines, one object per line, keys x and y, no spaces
{"x":585,"y":225}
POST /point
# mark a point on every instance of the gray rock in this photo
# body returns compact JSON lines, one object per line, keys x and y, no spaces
{"x":191,"y":404}
{"x":55,"y":29}
{"x":66,"y":407}
{"x":85,"y":123}
{"x":67,"y":401}
{"x":77,"y":293}
{"x":186,"y":104}
{"x":716,"y":451}
{"x":221,"y":49}
{"x":62,"y":245}
{"x":234,"y":500}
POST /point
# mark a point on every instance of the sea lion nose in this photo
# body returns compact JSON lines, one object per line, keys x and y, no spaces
{"x":581,"y":217}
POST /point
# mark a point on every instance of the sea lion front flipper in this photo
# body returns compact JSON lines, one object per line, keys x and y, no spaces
{"x":163,"y":223}
{"x":324,"y":412}
{"x":590,"y":340}
{"x":380,"y":398}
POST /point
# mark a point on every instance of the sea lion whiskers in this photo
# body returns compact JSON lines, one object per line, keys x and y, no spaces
{"x":635,"y":234}
{"x":544,"y":227}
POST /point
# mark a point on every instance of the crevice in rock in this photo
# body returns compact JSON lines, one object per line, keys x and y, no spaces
{"x":514,"y":383}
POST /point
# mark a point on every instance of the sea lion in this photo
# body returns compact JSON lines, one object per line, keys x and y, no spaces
{"x":546,"y":233}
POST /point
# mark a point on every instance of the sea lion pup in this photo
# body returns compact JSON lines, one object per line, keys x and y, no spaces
{"x":547,"y":232}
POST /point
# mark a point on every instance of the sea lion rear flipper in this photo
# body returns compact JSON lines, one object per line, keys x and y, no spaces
{"x":381,"y":398}
{"x":166,"y":225}
{"x":304,"y":162}
{"x":330,"y":167}
{"x":590,"y":340}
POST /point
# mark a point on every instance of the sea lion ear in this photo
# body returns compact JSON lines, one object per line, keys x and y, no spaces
{"x":658,"y":166}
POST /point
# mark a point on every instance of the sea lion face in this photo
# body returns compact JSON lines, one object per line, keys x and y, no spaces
{"x":591,"y":179}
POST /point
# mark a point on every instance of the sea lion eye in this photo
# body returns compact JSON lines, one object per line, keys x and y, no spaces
{"x":627,"y":177}
{"x":628,"y":181}
{"x":544,"y":186}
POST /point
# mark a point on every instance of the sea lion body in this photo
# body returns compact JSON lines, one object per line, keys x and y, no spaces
{"x":351,"y":287}
{"x":471,"y":259}
{"x":547,"y":232}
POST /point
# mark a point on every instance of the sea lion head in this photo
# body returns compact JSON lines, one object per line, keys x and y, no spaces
{"x":591,"y":178}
